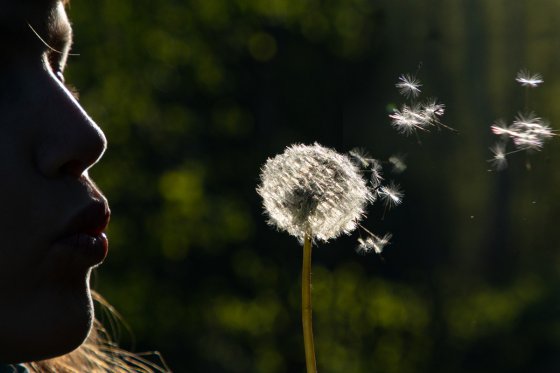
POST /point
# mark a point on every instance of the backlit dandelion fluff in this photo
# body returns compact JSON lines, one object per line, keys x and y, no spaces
{"x":391,"y":195}
{"x":408,"y":85}
{"x":373,"y":243}
{"x":416,"y":115}
{"x":499,"y":160}
{"x":526,"y":79}
{"x":528,"y":132}
{"x":311,"y":189}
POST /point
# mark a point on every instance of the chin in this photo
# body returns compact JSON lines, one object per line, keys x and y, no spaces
{"x":56,"y":323}
{"x":71,"y":321}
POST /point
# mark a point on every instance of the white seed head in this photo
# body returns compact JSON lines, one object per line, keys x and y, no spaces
{"x":311,"y":188}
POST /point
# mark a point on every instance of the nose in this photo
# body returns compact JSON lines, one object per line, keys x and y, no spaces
{"x":70,"y":141}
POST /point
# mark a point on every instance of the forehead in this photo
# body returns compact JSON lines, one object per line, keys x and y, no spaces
{"x":46,"y":17}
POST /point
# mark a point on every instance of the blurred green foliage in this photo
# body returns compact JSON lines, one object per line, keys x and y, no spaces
{"x":194,"y":95}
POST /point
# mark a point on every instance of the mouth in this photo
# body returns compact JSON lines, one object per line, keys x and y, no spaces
{"x":84,"y":237}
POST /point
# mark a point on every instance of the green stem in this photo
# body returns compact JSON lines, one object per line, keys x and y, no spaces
{"x":306,"y":314}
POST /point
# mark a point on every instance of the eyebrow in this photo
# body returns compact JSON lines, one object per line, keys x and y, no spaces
{"x":60,"y":35}
{"x":57,"y":38}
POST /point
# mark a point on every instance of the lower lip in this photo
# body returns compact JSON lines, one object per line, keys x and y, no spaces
{"x":86,"y":249}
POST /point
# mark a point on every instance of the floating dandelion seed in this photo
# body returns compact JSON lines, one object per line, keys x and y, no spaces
{"x":433,"y":109}
{"x":362,"y":157}
{"x":527,"y":132}
{"x":415,"y":116}
{"x":499,"y":161}
{"x":397,"y":161}
{"x":376,"y":177}
{"x":373,"y":243}
{"x":310,"y":188}
{"x":409,"y":119}
{"x":408,"y":85}
{"x":391,"y":195}
{"x":500,"y":128}
{"x":526,"y":79}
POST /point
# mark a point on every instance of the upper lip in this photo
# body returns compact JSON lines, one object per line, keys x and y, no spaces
{"x":91,"y":220}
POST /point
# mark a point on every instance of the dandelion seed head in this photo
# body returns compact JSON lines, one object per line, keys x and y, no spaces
{"x":408,"y":85}
{"x":526,"y":79}
{"x":313,"y":188}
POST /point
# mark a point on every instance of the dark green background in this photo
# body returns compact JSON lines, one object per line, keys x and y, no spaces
{"x":194,"y":95}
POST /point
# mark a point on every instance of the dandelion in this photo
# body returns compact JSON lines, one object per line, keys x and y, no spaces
{"x":526,"y":79}
{"x":408,"y":85}
{"x":314,"y":193}
{"x":311,"y":192}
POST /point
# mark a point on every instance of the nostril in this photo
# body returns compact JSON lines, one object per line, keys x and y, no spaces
{"x":73,"y":168}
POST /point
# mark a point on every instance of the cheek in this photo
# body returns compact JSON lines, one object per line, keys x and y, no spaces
{"x":27,"y":206}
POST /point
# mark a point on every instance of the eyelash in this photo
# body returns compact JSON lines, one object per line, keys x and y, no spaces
{"x":71,"y":88}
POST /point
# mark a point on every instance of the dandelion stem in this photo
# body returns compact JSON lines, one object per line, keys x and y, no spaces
{"x":306,"y":310}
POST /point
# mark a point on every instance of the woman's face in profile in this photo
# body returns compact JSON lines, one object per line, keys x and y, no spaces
{"x":52,"y":217}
